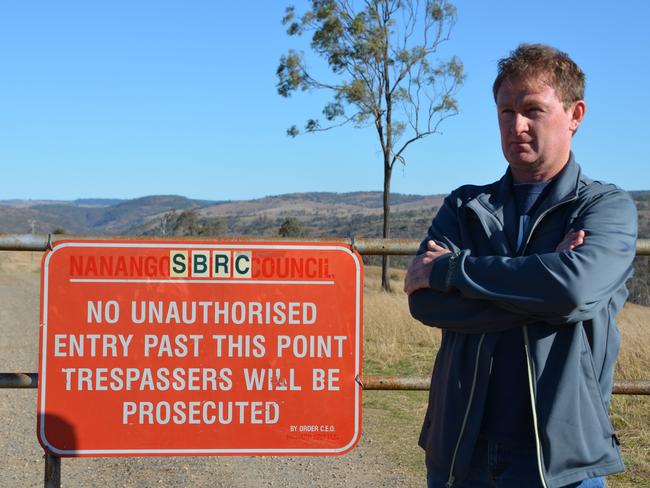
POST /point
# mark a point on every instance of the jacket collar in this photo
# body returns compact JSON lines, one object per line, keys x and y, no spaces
{"x":499,"y":202}
{"x":565,"y":187}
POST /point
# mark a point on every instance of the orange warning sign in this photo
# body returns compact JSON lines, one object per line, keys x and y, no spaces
{"x":197,"y":348}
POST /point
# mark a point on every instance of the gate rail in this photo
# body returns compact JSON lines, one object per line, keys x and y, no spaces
{"x":368,"y":246}
{"x":388,"y":383}
{"x":365,"y":246}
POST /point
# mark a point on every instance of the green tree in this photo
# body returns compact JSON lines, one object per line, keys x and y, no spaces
{"x":292,"y":227}
{"x":212,"y":227}
{"x":188,"y":223}
{"x":382,"y":73}
{"x":167,"y":223}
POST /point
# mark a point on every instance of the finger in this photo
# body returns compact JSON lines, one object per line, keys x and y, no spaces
{"x":570,"y":244}
{"x":573,"y":234}
{"x":572,"y":241}
{"x":432,"y":246}
{"x":408,"y":287}
{"x":578,"y":238}
{"x":569,"y":237}
{"x":428,"y":255}
{"x":417,"y":260}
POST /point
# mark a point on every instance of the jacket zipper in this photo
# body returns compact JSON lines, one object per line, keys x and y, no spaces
{"x":451,"y":479}
{"x":538,"y":444}
{"x":539,"y":219}
{"x":529,"y":358}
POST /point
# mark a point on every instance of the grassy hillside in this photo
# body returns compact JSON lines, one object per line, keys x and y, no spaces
{"x":320,"y":214}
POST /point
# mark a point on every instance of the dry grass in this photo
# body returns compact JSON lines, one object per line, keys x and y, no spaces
{"x":396,"y":344}
{"x":393,"y":341}
{"x":634,"y":357}
{"x":631,"y":414}
{"x":14,"y":262}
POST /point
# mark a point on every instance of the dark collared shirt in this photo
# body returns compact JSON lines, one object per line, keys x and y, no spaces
{"x":507,"y":414}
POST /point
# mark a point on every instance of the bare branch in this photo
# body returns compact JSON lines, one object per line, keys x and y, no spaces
{"x":334,"y":126}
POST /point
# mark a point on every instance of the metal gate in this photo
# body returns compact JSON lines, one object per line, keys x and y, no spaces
{"x":377,"y":247}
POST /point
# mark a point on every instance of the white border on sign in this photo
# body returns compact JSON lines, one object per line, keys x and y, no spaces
{"x":357,"y":355}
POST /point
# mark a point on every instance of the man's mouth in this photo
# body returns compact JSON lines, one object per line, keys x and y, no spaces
{"x":520,"y":144}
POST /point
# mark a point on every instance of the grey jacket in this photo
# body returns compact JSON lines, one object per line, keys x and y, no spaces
{"x":565,"y":302}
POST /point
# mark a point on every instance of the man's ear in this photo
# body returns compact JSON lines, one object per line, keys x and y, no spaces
{"x":578,"y":111}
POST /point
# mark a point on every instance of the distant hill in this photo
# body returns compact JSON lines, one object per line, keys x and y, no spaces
{"x":88,"y":216}
{"x":321,"y":214}
{"x":96,"y":202}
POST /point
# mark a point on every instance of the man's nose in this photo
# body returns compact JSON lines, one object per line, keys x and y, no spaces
{"x":519,"y":124}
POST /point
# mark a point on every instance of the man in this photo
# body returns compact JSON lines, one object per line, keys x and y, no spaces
{"x":525,"y":277}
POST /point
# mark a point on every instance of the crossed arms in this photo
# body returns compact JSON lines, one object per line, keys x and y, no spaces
{"x":472,"y":294}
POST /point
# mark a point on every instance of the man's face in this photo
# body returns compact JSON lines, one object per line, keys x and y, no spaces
{"x":535,"y":128}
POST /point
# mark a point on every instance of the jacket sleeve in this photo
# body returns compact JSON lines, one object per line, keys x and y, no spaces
{"x":449,"y":309}
{"x":555,"y":287}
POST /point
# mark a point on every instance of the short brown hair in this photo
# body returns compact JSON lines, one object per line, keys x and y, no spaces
{"x":534,"y":61}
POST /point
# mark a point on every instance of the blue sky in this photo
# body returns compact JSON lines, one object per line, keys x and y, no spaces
{"x":123,"y":99}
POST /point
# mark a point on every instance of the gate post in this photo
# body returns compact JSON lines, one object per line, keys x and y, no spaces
{"x":52,"y":471}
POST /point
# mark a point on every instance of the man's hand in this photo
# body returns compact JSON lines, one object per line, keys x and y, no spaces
{"x":417,"y":275}
{"x":572,"y":239}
